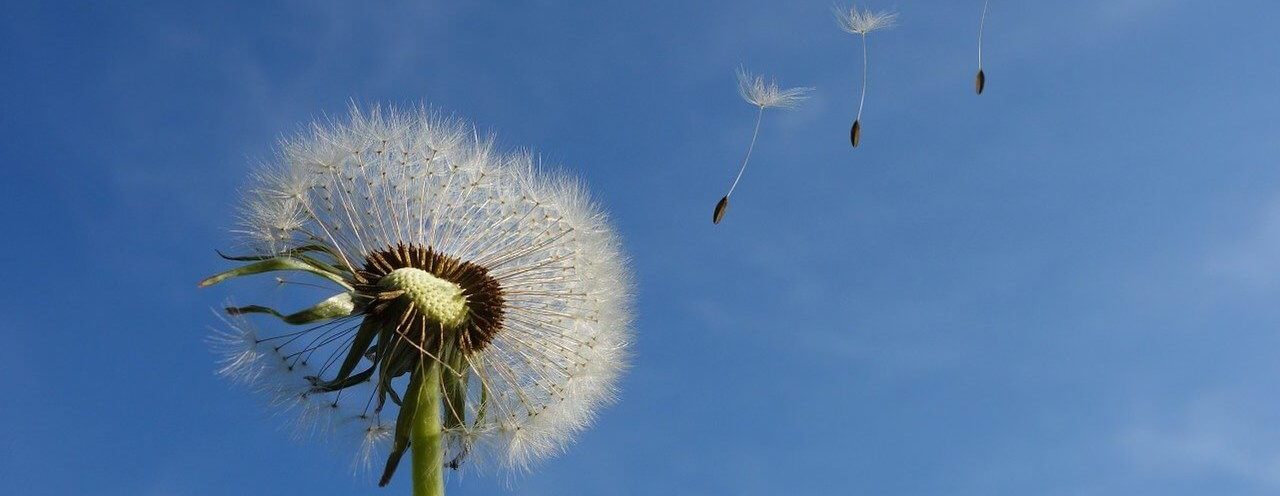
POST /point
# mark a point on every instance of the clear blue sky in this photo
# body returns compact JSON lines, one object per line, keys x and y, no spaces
{"x":1066,"y":286}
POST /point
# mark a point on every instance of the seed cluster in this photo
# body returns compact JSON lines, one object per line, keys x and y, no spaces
{"x":482,"y":293}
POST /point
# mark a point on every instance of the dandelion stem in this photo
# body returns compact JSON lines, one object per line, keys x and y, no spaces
{"x":863,"y":98}
{"x":752,"y":146}
{"x":428,"y":458}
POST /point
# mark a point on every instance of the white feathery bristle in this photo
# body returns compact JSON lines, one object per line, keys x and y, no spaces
{"x":861,"y":22}
{"x":239,"y":357}
{"x":375,"y":438}
{"x":766,"y":94}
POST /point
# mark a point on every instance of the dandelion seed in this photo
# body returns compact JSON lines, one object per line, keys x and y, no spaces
{"x":763,"y":95}
{"x":722,"y":206}
{"x":980,"y":81}
{"x":498,"y":290}
{"x":862,"y":23}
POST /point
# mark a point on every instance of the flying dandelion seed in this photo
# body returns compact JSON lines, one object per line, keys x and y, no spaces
{"x":762,"y":94}
{"x":980,"y":81}
{"x":481,"y":308}
{"x":862,"y":23}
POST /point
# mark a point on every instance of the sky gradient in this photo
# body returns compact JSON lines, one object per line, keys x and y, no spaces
{"x":1065,"y":286}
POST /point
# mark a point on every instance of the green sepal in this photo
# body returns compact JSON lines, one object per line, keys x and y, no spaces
{"x":364,"y":336}
{"x":279,"y":263}
{"x":393,"y":362}
{"x":319,"y":386}
{"x":339,"y":305}
{"x":399,"y":365}
{"x":381,"y":358}
{"x":484,"y":405}
{"x":454,"y":380}
{"x":287,"y":253}
{"x":404,"y":428}
{"x":298,"y":253}
{"x":322,"y":265}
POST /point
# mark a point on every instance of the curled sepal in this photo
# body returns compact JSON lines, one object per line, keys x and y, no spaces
{"x":484,"y":405}
{"x":319,"y":386}
{"x":322,"y":265}
{"x":287,"y":253}
{"x":359,"y":344}
{"x":395,"y":358}
{"x":453,"y":379}
{"x":336,"y":306}
{"x":274,"y":264}
{"x":404,"y":427}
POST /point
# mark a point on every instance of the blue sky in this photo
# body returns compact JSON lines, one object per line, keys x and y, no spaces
{"x":1065,"y":286}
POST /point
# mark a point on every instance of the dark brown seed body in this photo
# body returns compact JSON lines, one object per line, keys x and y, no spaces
{"x":855,"y":134}
{"x":980,"y":82}
{"x":721,"y":208}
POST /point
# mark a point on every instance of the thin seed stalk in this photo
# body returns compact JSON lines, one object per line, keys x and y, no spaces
{"x":980,"y":81}
{"x":425,"y":439}
{"x":865,"y":63}
{"x":754,"y":134}
{"x":982,"y":25}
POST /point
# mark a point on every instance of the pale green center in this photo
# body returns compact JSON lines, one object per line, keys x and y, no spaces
{"x":440,"y":300}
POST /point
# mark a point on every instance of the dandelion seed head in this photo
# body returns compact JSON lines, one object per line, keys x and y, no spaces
{"x":766,"y":94}
{"x":861,"y":22}
{"x":505,"y":274}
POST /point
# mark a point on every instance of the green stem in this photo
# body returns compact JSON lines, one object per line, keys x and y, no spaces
{"x":428,"y":457}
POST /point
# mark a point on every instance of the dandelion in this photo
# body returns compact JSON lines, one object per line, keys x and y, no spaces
{"x":480,"y":308}
{"x":980,"y":81}
{"x":762,"y":94}
{"x":862,"y":23}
